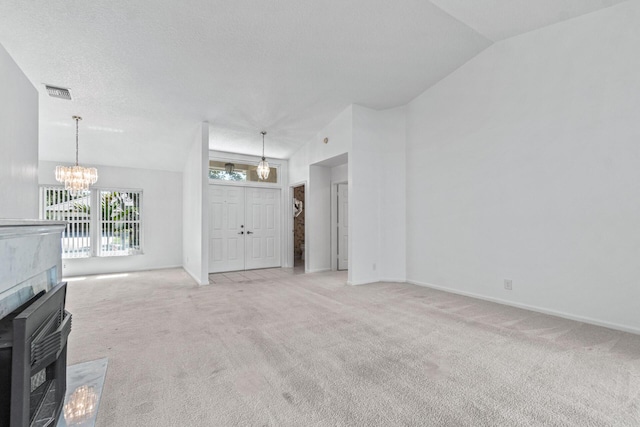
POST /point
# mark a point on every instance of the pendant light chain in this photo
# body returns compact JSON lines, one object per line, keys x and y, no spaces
{"x":77,"y":118}
{"x":263,"y":168}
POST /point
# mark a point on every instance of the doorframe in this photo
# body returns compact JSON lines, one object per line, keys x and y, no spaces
{"x":283,"y":173}
{"x":290,"y":225}
{"x":334,"y":223}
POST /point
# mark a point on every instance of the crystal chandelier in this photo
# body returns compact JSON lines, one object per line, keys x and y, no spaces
{"x":263,"y":167}
{"x":77,"y":179}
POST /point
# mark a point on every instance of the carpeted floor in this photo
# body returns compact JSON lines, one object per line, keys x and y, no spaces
{"x":273,"y":348}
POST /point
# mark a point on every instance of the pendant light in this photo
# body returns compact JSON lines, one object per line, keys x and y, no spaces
{"x":263,"y":167}
{"x":76,"y":178}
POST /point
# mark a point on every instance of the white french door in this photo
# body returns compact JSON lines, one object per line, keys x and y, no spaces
{"x":244,"y":228}
{"x":261,"y":222}
{"x":226,"y":228}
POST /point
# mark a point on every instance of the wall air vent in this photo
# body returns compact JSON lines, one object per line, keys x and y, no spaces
{"x":58,"y":92}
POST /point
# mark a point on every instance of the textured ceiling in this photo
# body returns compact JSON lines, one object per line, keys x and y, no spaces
{"x":144,"y":74}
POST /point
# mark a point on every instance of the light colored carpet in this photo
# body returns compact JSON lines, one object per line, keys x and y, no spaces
{"x":270,"y":348}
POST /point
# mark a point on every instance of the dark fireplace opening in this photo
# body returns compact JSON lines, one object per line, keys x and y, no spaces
{"x":33,"y":361}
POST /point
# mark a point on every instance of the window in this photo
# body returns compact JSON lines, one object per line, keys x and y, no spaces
{"x":228,"y":171}
{"x":119,"y":223}
{"x":57,"y":204}
{"x":116,"y":231}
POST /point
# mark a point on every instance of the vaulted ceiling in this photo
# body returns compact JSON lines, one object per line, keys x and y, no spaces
{"x":144,"y":73}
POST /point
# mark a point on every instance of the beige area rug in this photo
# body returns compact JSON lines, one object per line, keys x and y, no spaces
{"x":270,"y":348}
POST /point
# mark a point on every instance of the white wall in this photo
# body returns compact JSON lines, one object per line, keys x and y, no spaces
{"x":524,"y":164}
{"x":161,"y":217}
{"x":364,"y":200}
{"x":340,"y":173}
{"x":374,"y":142}
{"x":339,"y":132}
{"x":195,"y":193}
{"x":391,"y":129}
{"x":318,"y":214}
{"x":318,"y":190}
{"x":18,"y":142}
{"x":377,"y":196}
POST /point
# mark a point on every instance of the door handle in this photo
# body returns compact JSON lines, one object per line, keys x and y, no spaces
{"x":249,"y":232}
{"x":242,"y":232}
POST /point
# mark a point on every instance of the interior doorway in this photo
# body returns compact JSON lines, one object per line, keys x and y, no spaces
{"x":244,"y":228}
{"x":298,"y":226}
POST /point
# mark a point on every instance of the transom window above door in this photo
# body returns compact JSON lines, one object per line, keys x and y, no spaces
{"x":239,"y":172}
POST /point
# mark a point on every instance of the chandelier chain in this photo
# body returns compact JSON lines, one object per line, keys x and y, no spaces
{"x":77,"y":119}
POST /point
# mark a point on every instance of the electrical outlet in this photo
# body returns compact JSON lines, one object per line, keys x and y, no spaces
{"x":374,"y":266}
{"x":508,"y":284}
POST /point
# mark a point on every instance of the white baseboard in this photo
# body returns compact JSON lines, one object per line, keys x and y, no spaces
{"x":393,"y":280}
{"x":370,"y":282}
{"x":583,"y":319}
{"x":166,"y":268}
{"x":366,"y":282}
{"x":135,"y":270}
{"x":195,"y":277}
{"x":319,"y":270}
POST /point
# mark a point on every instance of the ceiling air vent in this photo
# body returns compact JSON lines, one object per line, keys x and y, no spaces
{"x":58,"y":92}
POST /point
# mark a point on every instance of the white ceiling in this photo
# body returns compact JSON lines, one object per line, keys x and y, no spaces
{"x":501,"y":19}
{"x":144,"y":73}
